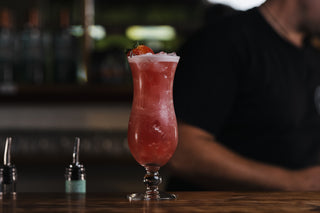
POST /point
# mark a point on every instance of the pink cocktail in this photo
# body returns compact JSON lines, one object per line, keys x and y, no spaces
{"x":152,"y":131}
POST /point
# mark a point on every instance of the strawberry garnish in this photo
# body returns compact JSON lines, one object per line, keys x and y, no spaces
{"x":140,"y":50}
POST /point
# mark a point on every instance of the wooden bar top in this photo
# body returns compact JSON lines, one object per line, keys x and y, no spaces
{"x":227,"y":202}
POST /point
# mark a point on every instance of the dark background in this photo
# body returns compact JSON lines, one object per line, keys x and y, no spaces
{"x":44,"y":118}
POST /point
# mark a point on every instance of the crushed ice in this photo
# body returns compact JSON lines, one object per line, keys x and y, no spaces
{"x":164,"y":53}
{"x":159,"y":53}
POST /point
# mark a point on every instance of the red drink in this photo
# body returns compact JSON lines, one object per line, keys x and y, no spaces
{"x":152,"y":132}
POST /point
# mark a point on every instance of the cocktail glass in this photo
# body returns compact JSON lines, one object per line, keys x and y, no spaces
{"x":152,"y":129}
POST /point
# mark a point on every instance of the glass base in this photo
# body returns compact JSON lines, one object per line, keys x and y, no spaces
{"x":144,"y":196}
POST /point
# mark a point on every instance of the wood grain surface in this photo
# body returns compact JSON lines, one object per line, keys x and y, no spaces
{"x":227,"y":202}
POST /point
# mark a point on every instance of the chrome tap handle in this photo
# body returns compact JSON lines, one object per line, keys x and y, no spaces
{"x":7,"y":152}
{"x":76,"y":149}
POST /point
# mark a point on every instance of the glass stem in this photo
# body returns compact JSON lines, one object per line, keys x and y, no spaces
{"x":152,"y":180}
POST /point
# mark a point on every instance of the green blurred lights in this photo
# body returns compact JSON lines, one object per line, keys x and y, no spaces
{"x":135,"y":32}
{"x":96,"y":32}
{"x":161,"y":33}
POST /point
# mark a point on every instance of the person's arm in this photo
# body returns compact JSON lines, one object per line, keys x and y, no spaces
{"x":204,"y":161}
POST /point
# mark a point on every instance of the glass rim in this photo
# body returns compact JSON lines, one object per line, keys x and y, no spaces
{"x":162,"y":57}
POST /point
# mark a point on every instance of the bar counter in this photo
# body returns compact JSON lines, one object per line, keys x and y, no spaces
{"x":186,"y":202}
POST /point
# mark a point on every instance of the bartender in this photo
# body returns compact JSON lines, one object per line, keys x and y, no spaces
{"x":247,"y":98}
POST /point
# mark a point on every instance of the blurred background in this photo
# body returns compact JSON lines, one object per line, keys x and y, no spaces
{"x":63,"y":73}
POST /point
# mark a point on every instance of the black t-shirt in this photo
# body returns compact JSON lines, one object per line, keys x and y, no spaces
{"x":256,"y":92}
